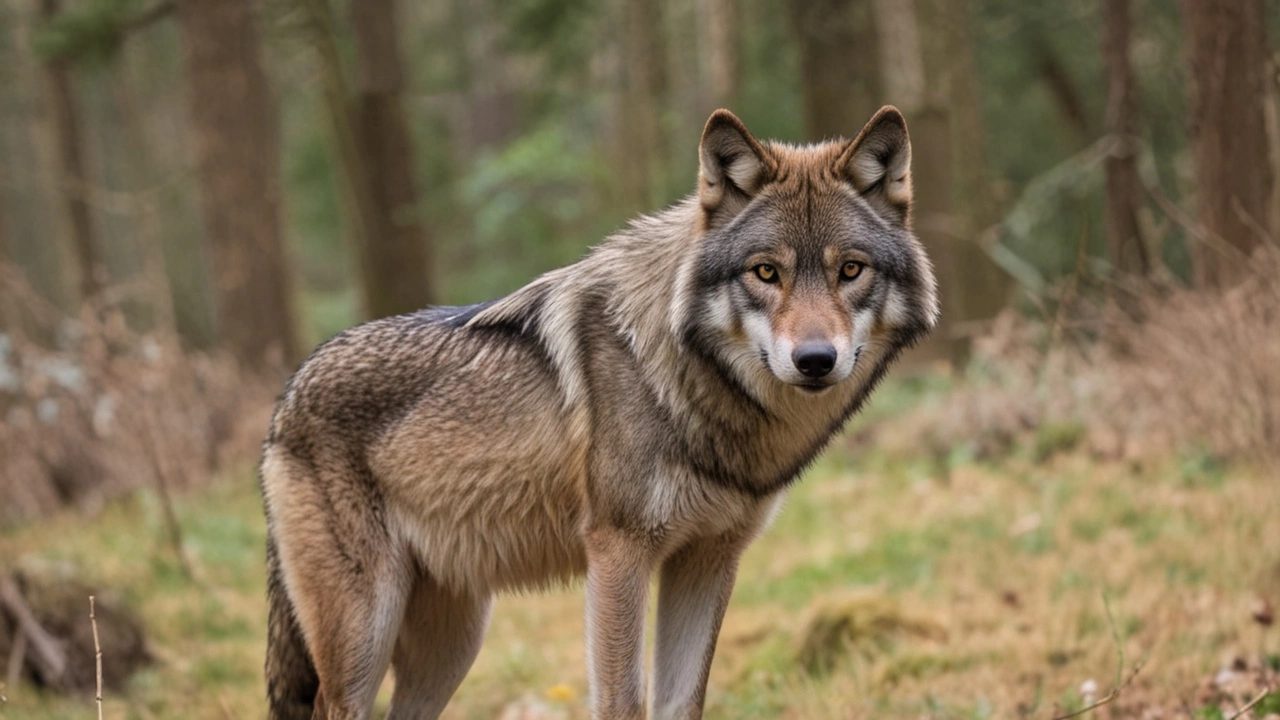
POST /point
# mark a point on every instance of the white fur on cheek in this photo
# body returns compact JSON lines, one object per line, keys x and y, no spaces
{"x":895,"y":312}
{"x":720,"y":309}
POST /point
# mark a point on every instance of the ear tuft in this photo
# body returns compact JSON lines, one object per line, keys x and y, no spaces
{"x":731,"y":160}
{"x":878,"y":163}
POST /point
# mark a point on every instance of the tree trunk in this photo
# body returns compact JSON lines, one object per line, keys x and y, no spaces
{"x":73,"y":183}
{"x":911,"y":83}
{"x":721,"y":70}
{"x":1124,"y":237}
{"x":839,"y":65}
{"x":1226,"y":47}
{"x":493,"y":113}
{"x":144,"y":213}
{"x":396,"y":247}
{"x":233,"y":128}
{"x":4,"y":227}
{"x":985,"y":290}
{"x":644,"y":146}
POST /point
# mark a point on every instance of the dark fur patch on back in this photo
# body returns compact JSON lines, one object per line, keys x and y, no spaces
{"x":453,"y":316}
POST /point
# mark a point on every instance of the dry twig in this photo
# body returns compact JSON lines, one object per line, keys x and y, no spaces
{"x":97,"y":656}
{"x":1240,"y":713}
{"x":17,"y":656}
{"x":163,"y":469}
{"x":50,"y":656}
{"x":1107,"y":700}
{"x":1121,"y":682}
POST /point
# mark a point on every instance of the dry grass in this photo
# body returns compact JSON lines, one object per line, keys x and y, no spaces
{"x":968,"y":594}
{"x":1179,"y":373}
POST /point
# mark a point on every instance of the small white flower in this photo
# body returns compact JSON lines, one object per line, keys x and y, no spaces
{"x":1089,"y":691}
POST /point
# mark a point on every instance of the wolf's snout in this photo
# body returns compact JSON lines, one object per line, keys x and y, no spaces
{"x":814,"y":360}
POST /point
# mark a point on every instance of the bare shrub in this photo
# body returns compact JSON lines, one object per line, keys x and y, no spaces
{"x":92,"y":409}
{"x":1203,"y":367}
{"x":1177,"y":369}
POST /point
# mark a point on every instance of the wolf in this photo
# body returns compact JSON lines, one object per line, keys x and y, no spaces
{"x":640,"y":412}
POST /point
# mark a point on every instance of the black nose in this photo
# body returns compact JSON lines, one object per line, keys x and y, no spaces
{"x":814,"y":360}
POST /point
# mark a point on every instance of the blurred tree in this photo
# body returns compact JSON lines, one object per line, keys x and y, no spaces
{"x":493,"y":98}
{"x":376,"y":157}
{"x":1128,"y":252}
{"x":643,"y":143}
{"x":1226,"y":48}
{"x":147,"y":232}
{"x":722,"y":72}
{"x":911,"y":74}
{"x":397,"y":253}
{"x":839,"y":65}
{"x":1059,"y":80}
{"x":985,"y":287}
{"x":233,"y":128}
{"x":4,"y":226}
{"x":72,"y":184}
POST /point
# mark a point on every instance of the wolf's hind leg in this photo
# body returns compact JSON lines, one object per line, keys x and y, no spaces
{"x":439,"y":638}
{"x":352,"y":643}
{"x":345,"y":576}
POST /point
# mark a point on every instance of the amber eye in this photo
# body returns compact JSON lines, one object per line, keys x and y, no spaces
{"x":851,"y":270}
{"x":767,"y":273}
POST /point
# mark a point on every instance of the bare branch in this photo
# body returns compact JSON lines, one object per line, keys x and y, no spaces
{"x":1110,"y":697}
{"x":1265,"y":692}
{"x":1121,"y":682}
{"x":97,"y":655}
{"x":50,"y":655}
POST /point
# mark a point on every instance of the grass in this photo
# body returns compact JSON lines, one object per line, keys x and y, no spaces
{"x":978,"y":592}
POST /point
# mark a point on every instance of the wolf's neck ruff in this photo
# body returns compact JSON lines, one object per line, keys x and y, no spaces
{"x":639,"y":411}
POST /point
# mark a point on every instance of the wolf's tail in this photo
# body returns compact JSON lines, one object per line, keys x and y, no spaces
{"x":292,"y":682}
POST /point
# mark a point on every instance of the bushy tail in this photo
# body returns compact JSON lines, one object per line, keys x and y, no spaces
{"x":292,"y":682}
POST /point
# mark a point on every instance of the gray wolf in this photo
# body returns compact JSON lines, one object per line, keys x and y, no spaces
{"x":642,"y":411}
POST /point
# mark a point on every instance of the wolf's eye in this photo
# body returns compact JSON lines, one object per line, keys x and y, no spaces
{"x":851,"y":270}
{"x":767,"y":273}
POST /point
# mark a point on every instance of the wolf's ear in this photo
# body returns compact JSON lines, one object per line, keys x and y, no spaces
{"x":878,"y":163}
{"x":732,"y":162}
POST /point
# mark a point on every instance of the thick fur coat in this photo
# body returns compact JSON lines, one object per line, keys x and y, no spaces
{"x":641,"y":411}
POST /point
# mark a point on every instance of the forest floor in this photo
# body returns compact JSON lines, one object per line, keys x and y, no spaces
{"x":888,"y":587}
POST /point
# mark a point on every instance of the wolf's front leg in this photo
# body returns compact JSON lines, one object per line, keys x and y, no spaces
{"x":695,"y":587}
{"x":618,"y":569}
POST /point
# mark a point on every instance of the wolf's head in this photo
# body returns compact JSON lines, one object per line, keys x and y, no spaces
{"x":807,"y":263}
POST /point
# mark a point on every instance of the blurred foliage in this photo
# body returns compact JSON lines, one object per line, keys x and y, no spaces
{"x":88,"y":33}
{"x":531,"y":203}
{"x":545,"y":182}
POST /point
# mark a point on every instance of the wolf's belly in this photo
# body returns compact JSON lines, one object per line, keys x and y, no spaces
{"x":517,"y":539}
{"x":489,"y":502}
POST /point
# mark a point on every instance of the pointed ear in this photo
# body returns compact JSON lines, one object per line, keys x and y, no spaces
{"x":878,"y":163}
{"x":733,"y":163}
